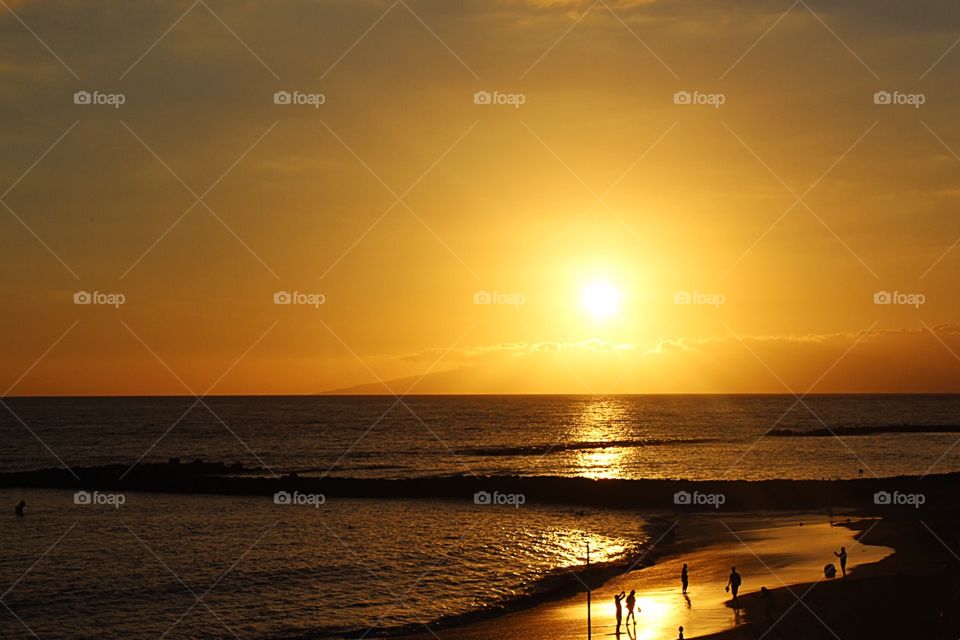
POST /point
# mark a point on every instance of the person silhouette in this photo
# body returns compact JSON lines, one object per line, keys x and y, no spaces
{"x":680,"y":637}
{"x":684,"y":580}
{"x":19,"y":508}
{"x":733,"y":584}
{"x":617,"y":599}
{"x":631,"y":603}
{"x":767,"y":596}
{"x":843,"y":560}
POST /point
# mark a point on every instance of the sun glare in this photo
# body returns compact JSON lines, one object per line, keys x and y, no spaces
{"x":600,"y":299}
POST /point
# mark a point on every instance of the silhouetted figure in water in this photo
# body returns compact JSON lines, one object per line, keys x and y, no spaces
{"x":631,"y":603}
{"x":767,"y":596}
{"x":683,"y":578}
{"x":19,"y":508}
{"x":617,"y":599}
{"x":680,"y":637}
{"x":843,"y":560}
{"x":733,"y":584}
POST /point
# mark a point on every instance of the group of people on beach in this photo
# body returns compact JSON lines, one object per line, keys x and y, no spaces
{"x":732,"y":587}
{"x":630,"y":601}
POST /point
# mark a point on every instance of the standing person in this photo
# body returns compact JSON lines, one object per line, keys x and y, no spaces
{"x":767,"y":596}
{"x":683,"y":578}
{"x":18,"y":510}
{"x":631,"y":603}
{"x":733,"y":584}
{"x":617,"y":599}
{"x":843,"y":560}
{"x":680,"y":637}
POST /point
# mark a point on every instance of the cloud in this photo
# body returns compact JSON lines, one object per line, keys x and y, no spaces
{"x":878,"y":361}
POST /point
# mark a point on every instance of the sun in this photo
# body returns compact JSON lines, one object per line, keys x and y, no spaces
{"x":600,"y":299}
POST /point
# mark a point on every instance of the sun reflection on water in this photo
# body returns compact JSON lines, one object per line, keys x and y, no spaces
{"x":573,"y":545}
{"x":602,"y":419}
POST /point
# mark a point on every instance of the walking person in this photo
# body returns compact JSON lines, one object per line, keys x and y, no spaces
{"x":733,"y":584}
{"x":631,"y":603}
{"x":684,"y":580}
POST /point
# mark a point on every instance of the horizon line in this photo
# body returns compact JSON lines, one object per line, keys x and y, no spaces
{"x":324,"y":394}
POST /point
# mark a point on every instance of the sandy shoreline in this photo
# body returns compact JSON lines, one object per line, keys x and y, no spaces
{"x":784,"y":552}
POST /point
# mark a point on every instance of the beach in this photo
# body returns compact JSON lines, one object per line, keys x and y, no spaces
{"x":776,"y":550}
{"x":901,"y":584}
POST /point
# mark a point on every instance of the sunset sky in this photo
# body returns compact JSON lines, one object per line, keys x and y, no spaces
{"x":783,"y":212}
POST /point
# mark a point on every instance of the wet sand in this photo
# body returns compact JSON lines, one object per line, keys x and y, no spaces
{"x":768,"y":550}
{"x":913,"y":594}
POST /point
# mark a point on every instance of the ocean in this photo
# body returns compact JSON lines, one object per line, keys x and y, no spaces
{"x":693,"y":437}
{"x":206,"y":566}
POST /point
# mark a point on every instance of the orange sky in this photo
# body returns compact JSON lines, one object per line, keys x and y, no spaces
{"x":788,"y":193}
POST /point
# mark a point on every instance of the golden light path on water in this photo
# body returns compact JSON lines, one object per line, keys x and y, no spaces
{"x":601,"y":420}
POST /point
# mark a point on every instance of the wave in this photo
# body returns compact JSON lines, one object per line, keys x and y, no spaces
{"x":217,"y":478}
{"x":865,"y":430}
{"x":547,"y":448}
